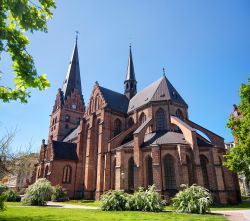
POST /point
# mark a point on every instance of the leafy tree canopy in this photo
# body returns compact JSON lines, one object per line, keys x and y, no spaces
{"x":238,"y":158}
{"x":16,"y":18}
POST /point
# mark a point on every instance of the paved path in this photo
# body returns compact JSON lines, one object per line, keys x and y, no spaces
{"x":73,"y":206}
{"x":235,"y":215}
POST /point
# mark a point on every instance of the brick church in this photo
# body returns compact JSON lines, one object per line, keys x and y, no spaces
{"x":123,"y":141}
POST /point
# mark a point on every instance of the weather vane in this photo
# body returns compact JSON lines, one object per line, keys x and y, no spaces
{"x":77,"y":33}
{"x":164,"y":71}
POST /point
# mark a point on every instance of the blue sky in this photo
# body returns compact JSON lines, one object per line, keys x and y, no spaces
{"x":204,"y":46}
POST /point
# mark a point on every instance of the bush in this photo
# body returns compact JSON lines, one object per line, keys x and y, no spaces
{"x":59,"y":194}
{"x":3,"y":188}
{"x":114,"y":200}
{"x":2,"y":199}
{"x":38,"y":193}
{"x":148,"y":200}
{"x":12,"y":196}
{"x":193,"y":199}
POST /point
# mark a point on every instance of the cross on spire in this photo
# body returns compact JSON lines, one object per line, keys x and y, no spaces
{"x":77,"y":33}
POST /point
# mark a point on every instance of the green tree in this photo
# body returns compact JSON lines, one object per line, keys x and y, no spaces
{"x":18,"y":17}
{"x":238,"y":158}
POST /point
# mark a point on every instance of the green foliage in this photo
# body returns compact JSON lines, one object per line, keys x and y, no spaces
{"x":148,"y":200}
{"x":16,"y":18}
{"x":38,"y":193}
{"x":3,"y":188}
{"x":59,"y":194}
{"x":193,"y":199}
{"x":2,"y":199}
{"x":238,"y":158}
{"x":114,"y":200}
{"x":12,"y":196}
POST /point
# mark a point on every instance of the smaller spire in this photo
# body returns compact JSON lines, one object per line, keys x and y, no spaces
{"x":130,"y":81}
{"x":164,"y":71}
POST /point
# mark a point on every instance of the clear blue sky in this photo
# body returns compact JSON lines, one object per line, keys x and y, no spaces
{"x":204,"y":45}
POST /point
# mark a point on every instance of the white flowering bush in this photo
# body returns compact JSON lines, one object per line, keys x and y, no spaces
{"x":193,"y":199}
{"x":38,"y":193}
{"x":114,"y":200}
{"x":148,"y":200}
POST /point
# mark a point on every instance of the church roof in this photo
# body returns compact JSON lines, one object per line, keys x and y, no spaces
{"x":73,"y":78}
{"x":72,"y":134}
{"x":163,"y":137}
{"x":160,"y":90}
{"x":115,"y":101}
{"x":64,"y":151}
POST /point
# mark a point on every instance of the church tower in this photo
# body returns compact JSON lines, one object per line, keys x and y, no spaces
{"x":69,"y":104}
{"x":130,"y":81}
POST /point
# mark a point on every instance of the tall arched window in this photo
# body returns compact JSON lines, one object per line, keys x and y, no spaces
{"x":97,"y":102}
{"x":169,"y":172}
{"x":131,"y":174}
{"x":179,"y":114}
{"x":117,"y":126}
{"x":190,"y":171}
{"x":204,"y":162}
{"x":67,"y":173}
{"x":113,"y":174}
{"x":46,"y":171}
{"x":130,"y":122}
{"x":149,"y":171}
{"x":160,"y":119}
{"x":142,"y":118}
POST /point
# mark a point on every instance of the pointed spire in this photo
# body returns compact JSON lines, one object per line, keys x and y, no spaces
{"x":73,"y":78}
{"x":130,"y":81}
{"x":130,"y":70}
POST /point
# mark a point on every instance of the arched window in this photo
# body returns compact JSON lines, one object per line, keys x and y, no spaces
{"x":131,"y":174}
{"x":160,"y":119}
{"x":169,"y":172}
{"x":190,"y":171}
{"x":142,"y":118}
{"x":113,"y":174}
{"x":97,"y":102}
{"x":117,"y":126}
{"x":46,"y":171}
{"x":204,"y":162}
{"x":130,"y":122}
{"x":149,"y":171}
{"x":67,"y":173}
{"x":179,"y":114}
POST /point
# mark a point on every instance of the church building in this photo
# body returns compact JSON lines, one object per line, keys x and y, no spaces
{"x":124,"y":141}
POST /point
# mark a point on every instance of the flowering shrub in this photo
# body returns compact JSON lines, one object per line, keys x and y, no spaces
{"x":148,"y":200}
{"x":38,"y":193}
{"x":114,"y":200}
{"x":193,"y":199}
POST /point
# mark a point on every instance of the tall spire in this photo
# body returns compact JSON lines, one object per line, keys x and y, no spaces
{"x":130,"y":81}
{"x":73,"y":78}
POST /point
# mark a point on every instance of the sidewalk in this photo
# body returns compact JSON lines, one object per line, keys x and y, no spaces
{"x":72,"y":206}
{"x":235,"y":215}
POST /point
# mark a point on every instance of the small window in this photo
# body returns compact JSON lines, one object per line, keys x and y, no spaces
{"x":142,"y":118}
{"x":130,"y":122}
{"x":179,"y":114}
{"x":67,"y":172}
{"x":73,"y":106}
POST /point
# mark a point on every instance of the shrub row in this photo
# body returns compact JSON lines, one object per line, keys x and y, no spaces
{"x":148,"y":200}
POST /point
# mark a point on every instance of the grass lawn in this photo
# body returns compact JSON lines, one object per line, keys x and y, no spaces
{"x":14,"y":213}
{"x":242,"y":206}
{"x":83,"y":202}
